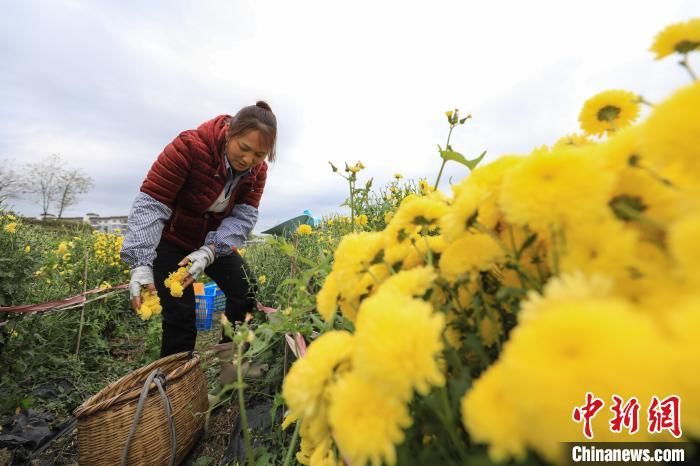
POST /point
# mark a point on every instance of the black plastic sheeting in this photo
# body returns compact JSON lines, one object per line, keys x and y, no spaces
{"x":258,"y":418}
{"x":29,"y":432}
{"x":28,"y":428}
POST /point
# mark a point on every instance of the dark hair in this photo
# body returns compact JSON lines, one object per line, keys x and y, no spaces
{"x":255,"y":117}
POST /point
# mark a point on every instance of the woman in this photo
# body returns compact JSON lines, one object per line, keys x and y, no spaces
{"x":196,"y":206}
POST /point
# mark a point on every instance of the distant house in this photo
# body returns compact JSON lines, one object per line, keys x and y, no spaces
{"x":107,"y":224}
{"x":116,"y":224}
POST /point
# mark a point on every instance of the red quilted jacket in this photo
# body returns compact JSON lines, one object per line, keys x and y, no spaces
{"x":188,"y":177}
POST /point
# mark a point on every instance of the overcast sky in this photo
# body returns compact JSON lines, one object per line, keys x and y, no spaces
{"x":108,"y":84}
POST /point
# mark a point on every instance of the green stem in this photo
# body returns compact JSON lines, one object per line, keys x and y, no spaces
{"x":637,"y":216}
{"x":293,"y":444}
{"x":657,"y":177}
{"x":448,"y":422}
{"x":241,"y":406}
{"x":555,"y":251}
{"x":440,"y":174}
{"x":684,"y":63}
{"x":644,"y":101}
{"x":352,"y":205}
{"x":447,"y":145}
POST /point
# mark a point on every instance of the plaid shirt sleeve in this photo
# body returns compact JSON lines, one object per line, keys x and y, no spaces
{"x":234,"y":229}
{"x":145,"y":225}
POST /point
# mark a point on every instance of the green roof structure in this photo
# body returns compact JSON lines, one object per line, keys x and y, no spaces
{"x":287,"y":228}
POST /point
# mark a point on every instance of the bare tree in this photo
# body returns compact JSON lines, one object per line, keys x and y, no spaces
{"x":72,"y":184}
{"x":40,"y":181}
{"x":9,"y":181}
{"x":50,"y":184}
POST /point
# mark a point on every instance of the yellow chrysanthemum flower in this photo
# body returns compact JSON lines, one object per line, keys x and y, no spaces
{"x":670,"y":134}
{"x":555,"y":359}
{"x":398,"y":176}
{"x":565,"y":288}
{"x":489,"y":177}
{"x":554,"y":188}
{"x":573,"y":139}
{"x":262,"y":279}
{"x":424,"y":187}
{"x":685,"y":325}
{"x":174,"y":282}
{"x":609,"y":111}
{"x":358,"y":268}
{"x":422,"y":249}
{"x":414,"y":282}
{"x":27,"y":249}
{"x":680,"y":38}
{"x":418,"y":212}
{"x":470,"y":253}
{"x":397,"y":341}
{"x":357,"y":402}
{"x":361,"y":220}
{"x":490,"y":328}
{"x":621,"y":150}
{"x":316,"y":443}
{"x":463,"y":214}
{"x":304,"y":229}
{"x":604,"y":248}
{"x":356,"y":252}
{"x":488,"y":416}
{"x":150,"y":305}
{"x":305,"y":384}
{"x":327,"y":298}
{"x":11,"y":228}
{"x":685,"y":248}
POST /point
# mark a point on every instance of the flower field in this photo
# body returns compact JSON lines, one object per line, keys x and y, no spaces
{"x":547,"y":297}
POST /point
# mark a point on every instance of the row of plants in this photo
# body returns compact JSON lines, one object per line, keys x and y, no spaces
{"x":42,"y":365}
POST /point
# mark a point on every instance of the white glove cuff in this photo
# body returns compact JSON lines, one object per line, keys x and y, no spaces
{"x":140,"y":276}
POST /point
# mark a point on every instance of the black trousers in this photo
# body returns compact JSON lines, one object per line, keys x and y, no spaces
{"x":230,"y":273}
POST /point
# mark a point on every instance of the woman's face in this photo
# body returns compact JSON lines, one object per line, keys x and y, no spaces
{"x":246,"y":150}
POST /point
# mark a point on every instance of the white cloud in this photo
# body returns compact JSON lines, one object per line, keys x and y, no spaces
{"x":109,"y":86}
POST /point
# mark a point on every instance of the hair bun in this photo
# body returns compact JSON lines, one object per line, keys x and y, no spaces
{"x":263,"y":104}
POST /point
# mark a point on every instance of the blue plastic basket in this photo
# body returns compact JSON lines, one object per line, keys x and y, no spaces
{"x":219,"y":296}
{"x":211,"y":301}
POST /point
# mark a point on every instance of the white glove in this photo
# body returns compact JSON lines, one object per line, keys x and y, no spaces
{"x":140,"y":276}
{"x":200,"y":260}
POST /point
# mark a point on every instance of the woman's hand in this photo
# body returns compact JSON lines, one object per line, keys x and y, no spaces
{"x":198,"y":261}
{"x":140,"y":276}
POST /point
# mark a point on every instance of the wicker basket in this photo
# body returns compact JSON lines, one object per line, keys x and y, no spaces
{"x":105,"y":420}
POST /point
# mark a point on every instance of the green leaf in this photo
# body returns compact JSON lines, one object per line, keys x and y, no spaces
{"x":528,"y":242}
{"x":306,"y":261}
{"x":474,"y":162}
{"x":452,"y":155}
{"x":26,"y":403}
{"x":457,"y":157}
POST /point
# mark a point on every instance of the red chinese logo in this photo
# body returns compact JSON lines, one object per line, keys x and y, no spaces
{"x":626,"y":415}
{"x":587,"y":412}
{"x":662,"y":414}
{"x":665,"y":415}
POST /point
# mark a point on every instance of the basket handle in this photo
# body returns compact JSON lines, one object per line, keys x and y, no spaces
{"x":157,"y":377}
